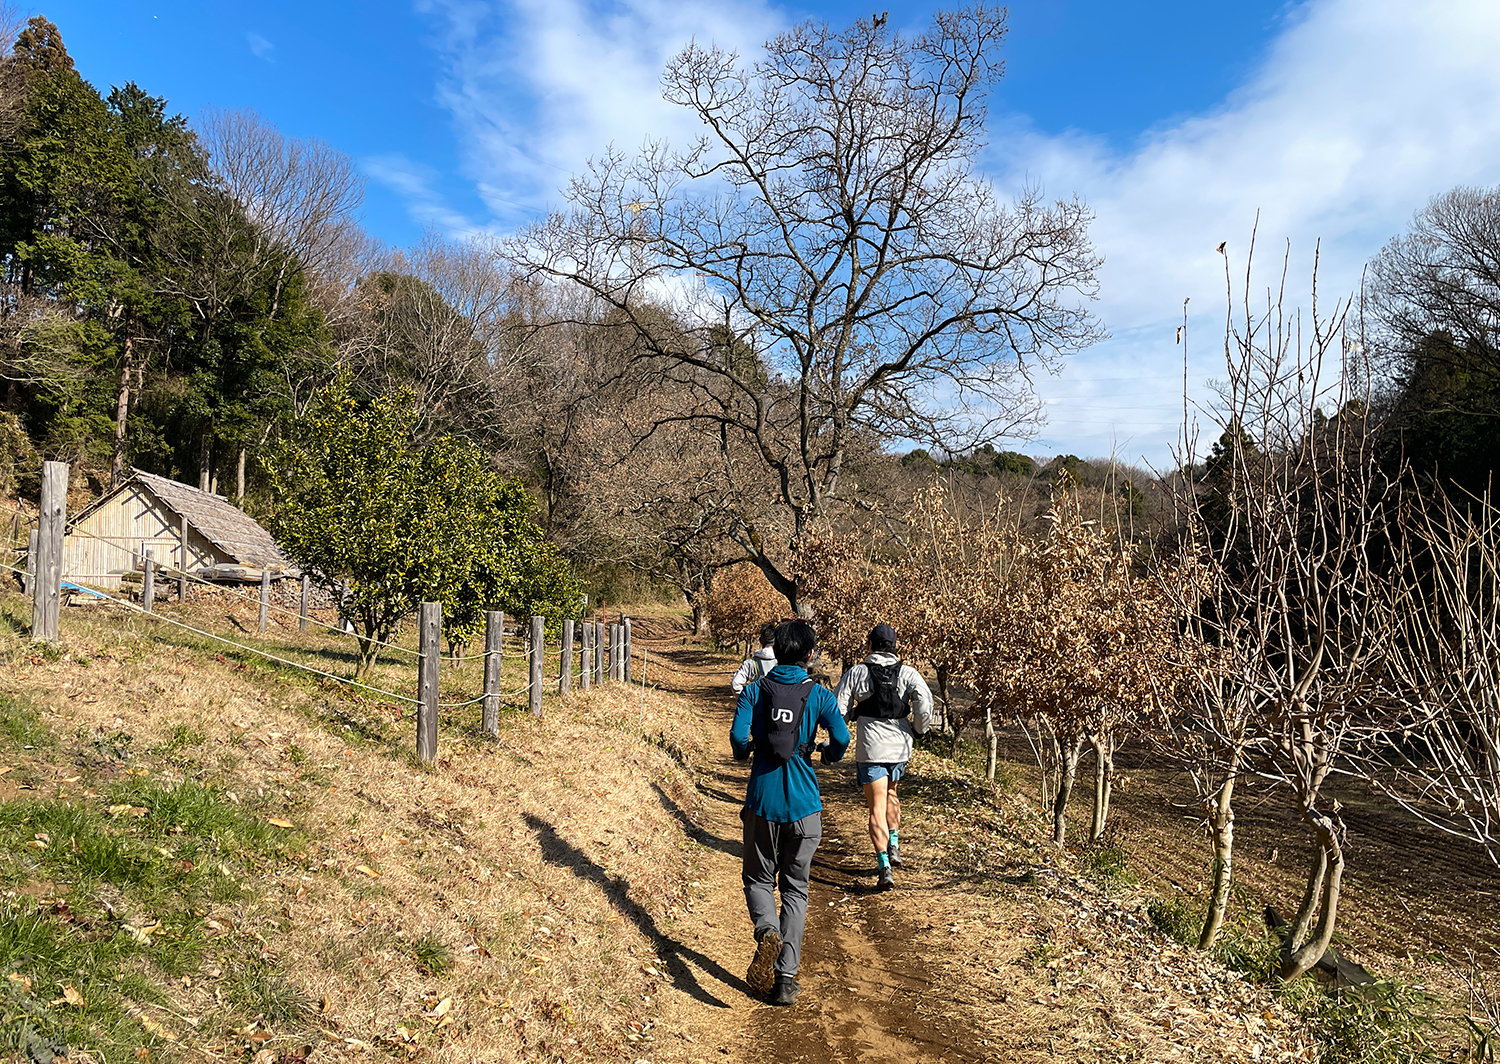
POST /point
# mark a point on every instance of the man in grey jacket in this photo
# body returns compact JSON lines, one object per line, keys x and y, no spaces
{"x":758,"y":666}
{"x":892,"y":704}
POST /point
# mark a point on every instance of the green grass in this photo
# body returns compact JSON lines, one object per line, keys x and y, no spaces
{"x":21,"y":725}
{"x":1107,"y":866}
{"x":432,"y":954}
{"x":264,"y":991}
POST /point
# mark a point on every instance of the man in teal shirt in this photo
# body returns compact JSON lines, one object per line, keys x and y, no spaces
{"x":783,"y":813}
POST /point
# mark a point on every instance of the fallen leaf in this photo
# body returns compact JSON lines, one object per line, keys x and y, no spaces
{"x":367,"y":870}
{"x":443,"y":1007}
{"x":69,"y":997}
{"x":277,"y":822}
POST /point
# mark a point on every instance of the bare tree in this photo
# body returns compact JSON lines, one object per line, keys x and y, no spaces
{"x":1294,"y":616}
{"x":831,"y":223}
{"x":1445,"y":766}
{"x":1443,"y":276}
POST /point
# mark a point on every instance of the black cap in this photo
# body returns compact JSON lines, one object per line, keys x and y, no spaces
{"x":883,"y":637}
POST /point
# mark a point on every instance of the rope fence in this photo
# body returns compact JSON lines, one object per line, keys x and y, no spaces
{"x":605,"y":653}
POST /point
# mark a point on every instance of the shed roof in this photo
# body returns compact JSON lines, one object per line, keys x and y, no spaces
{"x":214,"y":517}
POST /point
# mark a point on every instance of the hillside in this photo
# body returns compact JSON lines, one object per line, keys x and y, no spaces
{"x":205,"y":857}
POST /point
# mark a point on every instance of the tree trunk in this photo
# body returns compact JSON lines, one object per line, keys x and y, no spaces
{"x":1221,"y":827}
{"x":1067,"y":774}
{"x":205,"y":458}
{"x":1104,"y":782}
{"x":700,"y":619}
{"x":239,"y":476}
{"x":122,"y":413}
{"x":942,"y":682}
{"x":1301,"y":951}
{"x":992,"y":742}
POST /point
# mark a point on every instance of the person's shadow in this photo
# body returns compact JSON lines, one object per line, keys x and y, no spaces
{"x":558,"y":851}
{"x":702,"y":836}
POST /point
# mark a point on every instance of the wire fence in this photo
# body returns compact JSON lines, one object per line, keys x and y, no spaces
{"x":182,"y":574}
{"x":48,"y":586}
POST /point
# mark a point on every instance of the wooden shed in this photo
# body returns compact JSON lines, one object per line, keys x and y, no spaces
{"x":178,"y":523}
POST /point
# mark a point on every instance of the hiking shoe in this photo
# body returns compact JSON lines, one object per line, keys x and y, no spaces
{"x":786,"y":990}
{"x":762,"y":973}
{"x":887,"y":880}
{"x":894,"y":854}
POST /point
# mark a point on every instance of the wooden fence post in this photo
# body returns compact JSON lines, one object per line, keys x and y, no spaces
{"x":148,"y":581}
{"x":430,"y":627}
{"x":586,"y":654}
{"x":31,"y":548}
{"x":565,"y":660}
{"x":625,"y":670}
{"x":52,"y":521}
{"x":538,"y":641}
{"x":302,"y":607}
{"x":494,"y":638}
{"x":265,"y":601}
{"x":182,"y":563}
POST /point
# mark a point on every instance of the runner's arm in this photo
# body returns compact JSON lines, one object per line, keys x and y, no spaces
{"x":739,"y":731}
{"x":853,"y":687}
{"x":920,"y":696}
{"x":838,"y":732}
{"x":745,"y":673}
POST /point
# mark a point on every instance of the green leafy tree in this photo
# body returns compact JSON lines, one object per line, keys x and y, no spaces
{"x":356,"y":500}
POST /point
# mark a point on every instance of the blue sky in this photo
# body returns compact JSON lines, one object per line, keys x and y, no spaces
{"x":1333,"y":120}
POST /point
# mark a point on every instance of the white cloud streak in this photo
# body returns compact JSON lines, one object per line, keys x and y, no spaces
{"x":1360,"y":111}
{"x":260,"y":47}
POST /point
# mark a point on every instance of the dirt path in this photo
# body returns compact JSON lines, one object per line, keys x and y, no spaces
{"x":866,"y":995}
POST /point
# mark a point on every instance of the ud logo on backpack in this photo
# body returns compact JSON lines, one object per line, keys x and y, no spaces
{"x":777,"y":724}
{"x":883,"y":703}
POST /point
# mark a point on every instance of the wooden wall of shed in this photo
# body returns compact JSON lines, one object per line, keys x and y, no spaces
{"x":126,"y":526}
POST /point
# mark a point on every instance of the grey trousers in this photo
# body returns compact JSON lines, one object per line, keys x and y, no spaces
{"x":780,"y":856}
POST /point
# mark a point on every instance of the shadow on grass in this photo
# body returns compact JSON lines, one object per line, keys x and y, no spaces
{"x":558,"y":851}
{"x":693,"y":831}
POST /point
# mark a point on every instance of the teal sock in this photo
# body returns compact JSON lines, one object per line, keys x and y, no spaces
{"x":894,"y":843}
{"x":884,"y":859}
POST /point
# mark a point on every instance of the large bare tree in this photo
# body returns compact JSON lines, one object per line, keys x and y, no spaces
{"x":837,"y":260}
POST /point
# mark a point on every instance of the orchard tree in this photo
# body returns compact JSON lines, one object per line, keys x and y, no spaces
{"x":356,"y":500}
{"x":831,"y":223}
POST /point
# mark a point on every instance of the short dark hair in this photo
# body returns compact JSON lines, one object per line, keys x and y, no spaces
{"x":768,"y":633}
{"x":795,"y":640}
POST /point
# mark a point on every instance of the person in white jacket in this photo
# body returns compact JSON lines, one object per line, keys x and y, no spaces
{"x":762,"y":662}
{"x":893,"y":705}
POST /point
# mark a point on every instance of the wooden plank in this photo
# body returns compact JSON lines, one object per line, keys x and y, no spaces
{"x":148,"y":582}
{"x":625,"y":650}
{"x":51,"y":524}
{"x":265,"y":602}
{"x":31,"y":538}
{"x":183,"y":561}
{"x":565,"y":660}
{"x":302,"y":607}
{"x":586,"y":670}
{"x":538,"y":645}
{"x":600,"y":649}
{"x":494,"y":639}
{"x":430,"y":627}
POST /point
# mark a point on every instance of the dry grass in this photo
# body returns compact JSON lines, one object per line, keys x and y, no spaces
{"x":506,"y":904}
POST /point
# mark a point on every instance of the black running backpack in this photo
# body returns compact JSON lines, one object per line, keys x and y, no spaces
{"x":883,"y":703}
{"x":777,"y":724}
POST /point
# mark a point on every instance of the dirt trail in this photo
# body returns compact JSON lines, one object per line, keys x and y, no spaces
{"x":865,"y":993}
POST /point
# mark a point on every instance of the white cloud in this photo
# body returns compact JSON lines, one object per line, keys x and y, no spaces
{"x":538,"y":87}
{"x":260,"y":47}
{"x":1359,"y":112}
{"x":1362,"y":110}
{"x":415,"y":183}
